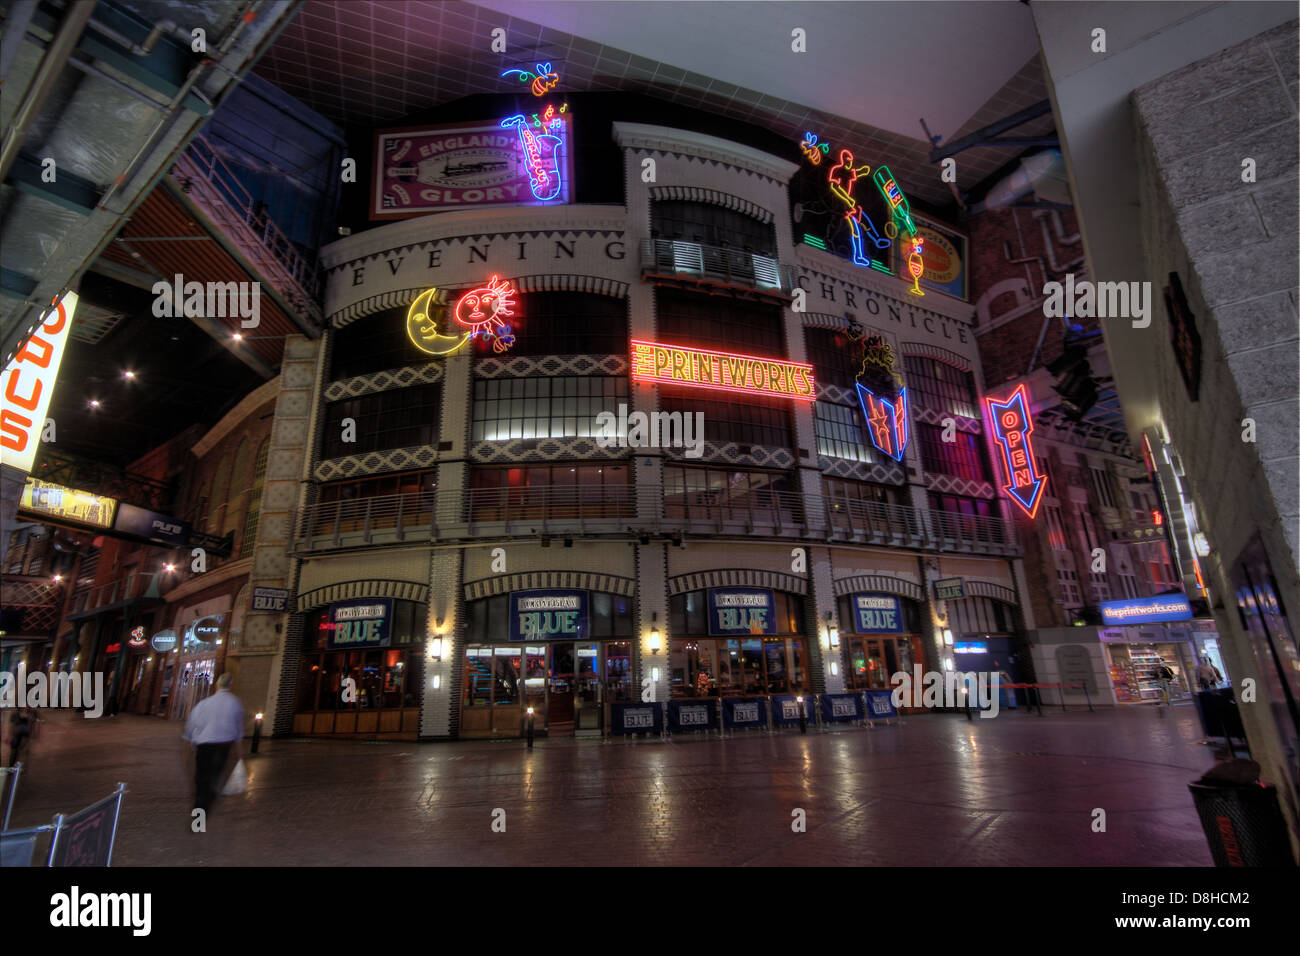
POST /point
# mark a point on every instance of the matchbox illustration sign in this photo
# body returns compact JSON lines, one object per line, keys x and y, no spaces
{"x":490,"y":163}
{"x":723,"y":371}
{"x":1012,"y":427}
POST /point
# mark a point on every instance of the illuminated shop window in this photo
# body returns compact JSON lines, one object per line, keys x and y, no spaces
{"x":400,"y":418}
{"x":941,"y":387}
{"x":531,"y":408}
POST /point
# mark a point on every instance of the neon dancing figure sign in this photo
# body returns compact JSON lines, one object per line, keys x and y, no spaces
{"x":886,"y":420}
{"x":1012,"y":427}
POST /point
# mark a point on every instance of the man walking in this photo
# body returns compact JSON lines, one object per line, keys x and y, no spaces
{"x":215,"y":727}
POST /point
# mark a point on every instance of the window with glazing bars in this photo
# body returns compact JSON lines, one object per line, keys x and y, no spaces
{"x":839,"y":433}
{"x":711,"y":225}
{"x":714,"y":322}
{"x":756,"y":421}
{"x":962,"y":458}
{"x":835,"y":360}
{"x":529,"y":408}
{"x":565,"y":323}
{"x":940,"y":386}
{"x":400,"y":418}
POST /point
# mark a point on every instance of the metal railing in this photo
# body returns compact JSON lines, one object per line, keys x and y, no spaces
{"x":426,"y":515}
{"x":733,"y":266}
{"x":209,"y":182}
{"x":136,"y":584}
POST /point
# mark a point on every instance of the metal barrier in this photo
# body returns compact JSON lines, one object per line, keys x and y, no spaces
{"x":84,"y":838}
{"x":15,"y":772}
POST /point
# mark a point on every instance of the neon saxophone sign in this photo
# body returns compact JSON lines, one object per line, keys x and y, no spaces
{"x":1012,"y":427}
{"x":543,"y":152}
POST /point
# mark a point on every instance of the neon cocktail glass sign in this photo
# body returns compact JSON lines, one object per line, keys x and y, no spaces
{"x":1012,"y":427}
{"x":723,"y":371}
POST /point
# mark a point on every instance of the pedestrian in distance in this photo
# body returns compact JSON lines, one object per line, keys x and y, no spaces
{"x":1207,"y":675}
{"x":22,"y":728}
{"x":214,"y":730}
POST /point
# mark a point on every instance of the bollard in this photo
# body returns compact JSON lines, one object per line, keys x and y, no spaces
{"x":803,"y":717}
{"x":530,"y":728}
{"x":965,"y":694}
{"x":1088,"y":697}
{"x":257,"y":733}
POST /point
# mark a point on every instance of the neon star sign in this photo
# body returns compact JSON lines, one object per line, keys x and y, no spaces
{"x":1012,"y":427}
{"x":886,"y":421}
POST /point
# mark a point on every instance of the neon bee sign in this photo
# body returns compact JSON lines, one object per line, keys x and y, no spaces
{"x":1012,"y":427}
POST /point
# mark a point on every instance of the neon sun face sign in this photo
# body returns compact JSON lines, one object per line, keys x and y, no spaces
{"x":1012,"y":427}
{"x":479,"y":313}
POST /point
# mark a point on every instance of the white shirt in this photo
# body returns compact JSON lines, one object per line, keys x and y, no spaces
{"x":218,"y":719}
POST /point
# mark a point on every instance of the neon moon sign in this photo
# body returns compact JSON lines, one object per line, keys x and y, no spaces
{"x":479,"y":312}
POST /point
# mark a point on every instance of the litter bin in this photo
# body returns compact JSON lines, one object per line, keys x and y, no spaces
{"x":1241,"y":817}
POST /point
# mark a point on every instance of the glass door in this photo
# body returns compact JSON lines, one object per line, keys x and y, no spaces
{"x":560,"y":692}
{"x":589,"y":689}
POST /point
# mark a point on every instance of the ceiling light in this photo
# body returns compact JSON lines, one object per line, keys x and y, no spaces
{"x":128,"y":374}
{"x":238,"y":337}
{"x":94,"y":403}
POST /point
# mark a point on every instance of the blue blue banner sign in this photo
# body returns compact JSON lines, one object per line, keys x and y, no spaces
{"x":151,"y":526}
{"x":687,"y":715}
{"x":626,"y":718}
{"x":785,"y":710}
{"x":551,"y":615}
{"x":738,"y":611}
{"x":880,"y":705}
{"x":877,"y":614}
{"x":841,"y":707}
{"x":270,"y":599}
{"x":1148,"y":610}
{"x":739,"y":712}
{"x":363,"y":622}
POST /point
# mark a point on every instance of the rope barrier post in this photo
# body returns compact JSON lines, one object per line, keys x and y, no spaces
{"x":1038,"y":700}
{"x":1062,"y":688}
{"x":1087,"y":696}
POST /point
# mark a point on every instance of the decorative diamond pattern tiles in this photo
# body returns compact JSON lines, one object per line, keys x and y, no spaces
{"x":379,"y":381}
{"x":890,"y":473}
{"x":959,"y":486}
{"x":523,"y":366}
{"x":760,"y":456}
{"x":370,"y":63}
{"x":376,"y":463}
{"x":544,"y":449}
{"x":931,"y":417}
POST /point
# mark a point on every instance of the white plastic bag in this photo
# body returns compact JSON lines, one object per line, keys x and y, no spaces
{"x":238,"y":781}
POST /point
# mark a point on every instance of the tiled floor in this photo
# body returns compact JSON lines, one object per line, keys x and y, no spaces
{"x":934,"y":790}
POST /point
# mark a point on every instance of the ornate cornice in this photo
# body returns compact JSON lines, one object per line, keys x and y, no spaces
{"x":662,"y":139}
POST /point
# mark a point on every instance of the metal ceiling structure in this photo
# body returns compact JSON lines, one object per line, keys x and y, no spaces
{"x":105,"y":97}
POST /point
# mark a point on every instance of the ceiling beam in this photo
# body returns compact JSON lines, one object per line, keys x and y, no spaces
{"x":982,"y":136}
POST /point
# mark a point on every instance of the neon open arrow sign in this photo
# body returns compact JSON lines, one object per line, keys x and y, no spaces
{"x":1012,"y":427}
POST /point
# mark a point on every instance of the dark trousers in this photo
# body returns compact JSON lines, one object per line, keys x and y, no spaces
{"x":209,"y":761}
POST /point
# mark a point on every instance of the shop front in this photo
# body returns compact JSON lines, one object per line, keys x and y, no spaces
{"x":737,"y":642}
{"x":1137,"y":658}
{"x":881,"y":637}
{"x":564,"y":654}
{"x":361,"y":669}
{"x":199,"y":658}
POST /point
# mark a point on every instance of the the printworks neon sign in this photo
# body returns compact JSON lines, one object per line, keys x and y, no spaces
{"x":1012,"y":427}
{"x":721,"y":371}
{"x":479,"y":313}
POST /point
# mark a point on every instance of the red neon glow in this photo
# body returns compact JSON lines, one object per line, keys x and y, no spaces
{"x":481,"y":309}
{"x":1012,"y":427}
{"x":722,"y":371}
{"x":1157,"y":518}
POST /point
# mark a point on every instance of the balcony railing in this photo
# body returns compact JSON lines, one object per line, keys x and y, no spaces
{"x":718,"y":263}
{"x":209,"y":182}
{"x":136,"y":584}
{"x":423,"y":516}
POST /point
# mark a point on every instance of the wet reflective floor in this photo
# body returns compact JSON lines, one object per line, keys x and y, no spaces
{"x":933,"y":790}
